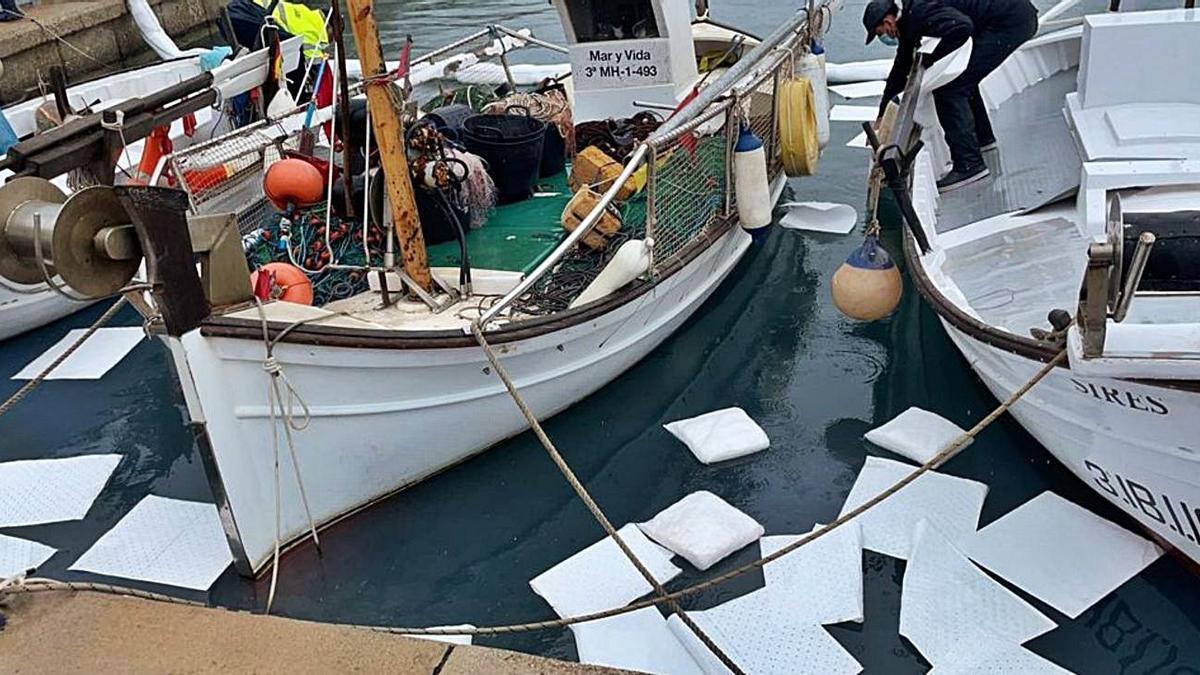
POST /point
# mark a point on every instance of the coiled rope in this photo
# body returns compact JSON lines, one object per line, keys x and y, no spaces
{"x":27,"y":585}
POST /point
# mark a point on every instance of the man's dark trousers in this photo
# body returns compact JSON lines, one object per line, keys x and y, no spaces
{"x":960,"y":108}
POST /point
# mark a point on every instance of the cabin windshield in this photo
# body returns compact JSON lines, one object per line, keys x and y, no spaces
{"x":601,"y":20}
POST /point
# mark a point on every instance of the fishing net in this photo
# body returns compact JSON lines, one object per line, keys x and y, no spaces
{"x":302,"y":242}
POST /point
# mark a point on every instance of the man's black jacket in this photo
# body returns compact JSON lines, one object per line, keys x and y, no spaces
{"x":951,"y":20}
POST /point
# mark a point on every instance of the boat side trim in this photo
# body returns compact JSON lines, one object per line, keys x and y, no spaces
{"x":336,"y":336}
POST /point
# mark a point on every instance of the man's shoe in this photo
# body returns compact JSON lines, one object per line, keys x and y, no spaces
{"x":956,"y":178}
{"x":992,"y":145}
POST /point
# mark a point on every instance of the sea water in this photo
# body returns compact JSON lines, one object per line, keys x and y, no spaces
{"x":462,"y":546}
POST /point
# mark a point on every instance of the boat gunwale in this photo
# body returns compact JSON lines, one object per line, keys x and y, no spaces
{"x":374,"y":338}
{"x":992,"y":336}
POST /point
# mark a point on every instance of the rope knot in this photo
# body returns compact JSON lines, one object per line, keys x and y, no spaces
{"x":271,"y":366}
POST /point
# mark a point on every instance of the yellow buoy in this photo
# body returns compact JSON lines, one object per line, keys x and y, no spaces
{"x":868,"y":285}
{"x":797,"y":116}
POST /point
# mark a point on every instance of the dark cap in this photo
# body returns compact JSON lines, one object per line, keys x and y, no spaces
{"x":874,"y":13}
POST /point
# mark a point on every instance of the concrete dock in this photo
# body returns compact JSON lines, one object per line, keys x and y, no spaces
{"x":81,"y":631}
{"x":89,"y":38}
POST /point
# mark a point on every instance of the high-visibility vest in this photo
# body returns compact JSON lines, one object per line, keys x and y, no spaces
{"x":306,"y":23}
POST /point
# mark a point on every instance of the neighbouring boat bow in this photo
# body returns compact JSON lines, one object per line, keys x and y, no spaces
{"x":1085,"y":241}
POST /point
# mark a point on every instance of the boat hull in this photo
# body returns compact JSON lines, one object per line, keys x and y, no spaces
{"x":383,"y":419}
{"x":23,"y":311}
{"x":1134,"y":443}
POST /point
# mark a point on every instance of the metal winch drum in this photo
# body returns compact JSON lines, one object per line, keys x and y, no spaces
{"x":85,"y":239}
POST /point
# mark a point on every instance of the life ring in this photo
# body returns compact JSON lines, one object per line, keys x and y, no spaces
{"x":285,"y":282}
{"x":797,"y":116}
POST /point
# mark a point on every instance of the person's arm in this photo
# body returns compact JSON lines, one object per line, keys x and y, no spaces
{"x":947,"y":23}
{"x":898,"y":76}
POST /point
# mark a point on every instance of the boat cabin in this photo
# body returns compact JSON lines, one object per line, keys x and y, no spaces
{"x":623,"y":51}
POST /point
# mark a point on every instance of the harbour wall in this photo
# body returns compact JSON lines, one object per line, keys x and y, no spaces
{"x":91,"y":38}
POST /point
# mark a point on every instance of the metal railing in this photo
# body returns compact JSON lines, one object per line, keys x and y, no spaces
{"x":689,"y":160}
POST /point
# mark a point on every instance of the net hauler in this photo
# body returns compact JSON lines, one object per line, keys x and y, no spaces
{"x":628,"y":50}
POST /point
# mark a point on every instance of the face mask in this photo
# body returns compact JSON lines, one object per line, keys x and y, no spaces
{"x":889,"y":40}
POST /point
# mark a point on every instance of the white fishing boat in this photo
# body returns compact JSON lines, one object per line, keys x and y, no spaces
{"x":304,"y":413}
{"x":25,"y":306}
{"x":1099,"y":154}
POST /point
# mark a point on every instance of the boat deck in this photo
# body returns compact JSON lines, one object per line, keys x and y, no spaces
{"x":1037,"y":162}
{"x":1013,"y":278}
{"x":516,"y":236}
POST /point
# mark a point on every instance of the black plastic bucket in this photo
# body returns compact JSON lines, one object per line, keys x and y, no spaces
{"x":449,"y":119}
{"x":512,"y":147}
{"x":554,"y":153}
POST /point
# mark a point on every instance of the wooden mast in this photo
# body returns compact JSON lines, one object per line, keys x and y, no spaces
{"x":384,"y":106}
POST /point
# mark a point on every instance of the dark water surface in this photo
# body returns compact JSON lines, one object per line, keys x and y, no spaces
{"x":462,"y":546}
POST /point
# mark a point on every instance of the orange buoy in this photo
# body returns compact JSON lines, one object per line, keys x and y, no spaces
{"x":283,"y":282}
{"x":293,"y":182}
{"x":868,"y":285}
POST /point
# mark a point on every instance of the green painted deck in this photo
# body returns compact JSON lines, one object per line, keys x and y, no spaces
{"x":517,"y":236}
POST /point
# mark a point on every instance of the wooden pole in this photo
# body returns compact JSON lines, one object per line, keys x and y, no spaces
{"x":384,"y":106}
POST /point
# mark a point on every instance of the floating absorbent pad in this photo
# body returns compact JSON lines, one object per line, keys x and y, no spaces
{"x":950,"y":503}
{"x":764,"y":635}
{"x":854,"y":113}
{"x":639,"y":640}
{"x":37,"y":491}
{"x":946,"y":603}
{"x":867,"y":89}
{"x":1061,"y":553}
{"x":164,"y":541}
{"x":20,"y":555}
{"x":95,"y":357}
{"x":720,"y":435}
{"x":703,"y":528}
{"x":819,"y":217}
{"x":916,"y":434}
{"x":998,"y":660}
{"x":859,"y":141}
{"x":601,"y":577}
{"x":822,"y":579}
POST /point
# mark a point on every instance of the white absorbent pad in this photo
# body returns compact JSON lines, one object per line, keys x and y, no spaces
{"x":1061,"y":553}
{"x":448,"y":639}
{"x":866,"y":89}
{"x":819,"y":217}
{"x":998,"y":660}
{"x":164,"y":541}
{"x":853,"y":113}
{"x":859,"y":141}
{"x":764,"y":635}
{"x":823,"y":578}
{"x":720,"y":435}
{"x":703,"y":528}
{"x":36,"y":491}
{"x":916,"y":434}
{"x":946,"y":602}
{"x":638,"y":640}
{"x":950,"y":503}
{"x":601,"y":577}
{"x":21,"y":555}
{"x":95,"y":357}
{"x":858,"y":71}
